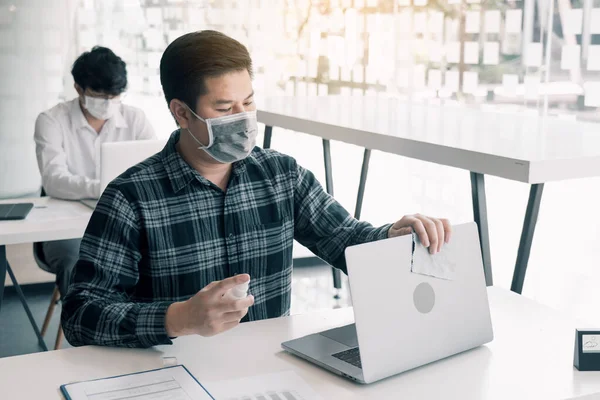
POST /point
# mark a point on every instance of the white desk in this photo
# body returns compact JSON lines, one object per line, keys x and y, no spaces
{"x":50,"y":219}
{"x":531,"y":357}
{"x":520,"y":147}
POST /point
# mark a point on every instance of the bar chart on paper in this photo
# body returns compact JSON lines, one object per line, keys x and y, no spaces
{"x":276,"y":386}
{"x":285,"y":395}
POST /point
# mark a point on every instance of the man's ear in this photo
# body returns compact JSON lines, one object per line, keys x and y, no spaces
{"x":79,"y":90}
{"x":180,"y":112}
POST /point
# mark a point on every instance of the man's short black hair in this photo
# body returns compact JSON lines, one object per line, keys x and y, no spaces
{"x":195,"y":56}
{"x":100,"y":70}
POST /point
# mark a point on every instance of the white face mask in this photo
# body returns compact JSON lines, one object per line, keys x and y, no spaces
{"x":101,"y":108}
{"x":230,"y":138}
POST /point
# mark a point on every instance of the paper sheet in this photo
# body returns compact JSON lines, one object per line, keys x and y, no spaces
{"x":372,"y":75}
{"x":513,"y":21}
{"x":357,"y":74}
{"x":533,"y":56}
{"x":531,"y":85}
{"x":173,"y":383}
{"x":323,"y":89}
{"x":434,"y":79}
{"x":452,"y":81}
{"x":334,"y":72}
{"x":491,"y":53}
{"x":510,"y":82}
{"x":595,"y":23}
{"x":574,"y":23}
{"x":470,"y":81}
{"x":570,"y":56}
{"x":453,"y":52}
{"x":435,"y":52}
{"x":418,"y":78}
{"x":403,"y":22}
{"x":275,"y":386}
{"x":593,"y":61}
{"x":441,"y":265}
{"x":346,"y":76}
{"x":592,"y":94}
{"x":472,"y":21}
{"x":154,"y":16}
{"x":403,"y":78}
{"x":471,"y":53}
{"x":420,"y":22}
{"x":436,"y":22}
{"x":492,"y":21}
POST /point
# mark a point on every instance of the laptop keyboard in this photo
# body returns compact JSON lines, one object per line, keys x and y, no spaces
{"x":351,"y":356}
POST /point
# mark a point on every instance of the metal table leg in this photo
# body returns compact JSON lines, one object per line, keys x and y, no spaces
{"x":363,"y":183}
{"x":480,"y":216}
{"x":337,"y":277}
{"x":3,"y":264}
{"x":531,"y":216}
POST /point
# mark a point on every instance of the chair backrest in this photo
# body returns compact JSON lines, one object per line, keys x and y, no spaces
{"x":40,"y":258}
{"x":38,"y":249}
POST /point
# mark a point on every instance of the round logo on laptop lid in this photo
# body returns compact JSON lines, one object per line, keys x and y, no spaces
{"x":424,"y":298}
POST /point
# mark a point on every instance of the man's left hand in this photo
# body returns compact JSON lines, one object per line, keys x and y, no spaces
{"x":432,"y":232}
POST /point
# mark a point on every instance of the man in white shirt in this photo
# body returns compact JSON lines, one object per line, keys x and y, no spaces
{"x":68,"y":138}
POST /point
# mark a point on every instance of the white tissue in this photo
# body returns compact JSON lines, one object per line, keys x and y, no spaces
{"x":169,"y":361}
{"x":441,"y":265}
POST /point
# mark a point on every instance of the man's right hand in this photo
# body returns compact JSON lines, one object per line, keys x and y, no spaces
{"x":208,"y":312}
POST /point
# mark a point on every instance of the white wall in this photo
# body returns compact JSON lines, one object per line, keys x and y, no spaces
{"x":35,"y":53}
{"x":24,"y":266}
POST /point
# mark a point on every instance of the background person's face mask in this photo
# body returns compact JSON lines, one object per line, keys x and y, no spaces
{"x":230,"y":138}
{"x":101,"y":108}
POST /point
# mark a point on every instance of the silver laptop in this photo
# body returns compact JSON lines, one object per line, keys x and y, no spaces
{"x":403,"y":319}
{"x":117,"y":157}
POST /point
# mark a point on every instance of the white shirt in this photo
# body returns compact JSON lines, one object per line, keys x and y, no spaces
{"x":68,"y":148}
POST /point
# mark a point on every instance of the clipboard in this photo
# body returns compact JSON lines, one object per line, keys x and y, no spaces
{"x":174,"y":381}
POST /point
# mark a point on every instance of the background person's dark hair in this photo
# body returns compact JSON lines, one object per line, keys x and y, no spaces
{"x":191,"y":58}
{"x":100,"y":70}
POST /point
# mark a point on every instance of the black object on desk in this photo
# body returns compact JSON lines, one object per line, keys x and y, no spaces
{"x":587,"y":350}
{"x":14,"y":211}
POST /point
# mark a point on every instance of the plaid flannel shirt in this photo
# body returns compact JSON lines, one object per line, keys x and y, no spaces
{"x":161,"y":232}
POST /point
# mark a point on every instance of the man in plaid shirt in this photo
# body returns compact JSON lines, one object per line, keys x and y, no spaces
{"x":172,"y":235}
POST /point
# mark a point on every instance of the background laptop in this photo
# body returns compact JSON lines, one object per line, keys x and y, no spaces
{"x":404,"y":320}
{"x":117,"y":157}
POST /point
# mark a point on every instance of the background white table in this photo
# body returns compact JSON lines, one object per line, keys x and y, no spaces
{"x":516,"y":146}
{"x":50,"y":219}
{"x":531,"y":357}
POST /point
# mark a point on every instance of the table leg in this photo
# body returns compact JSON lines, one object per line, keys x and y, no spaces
{"x":3,"y":263}
{"x":480,"y":216}
{"x":531,"y":216}
{"x":337,"y":276}
{"x":26,"y":307}
{"x":363,"y":183}
{"x":267,"y":137}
